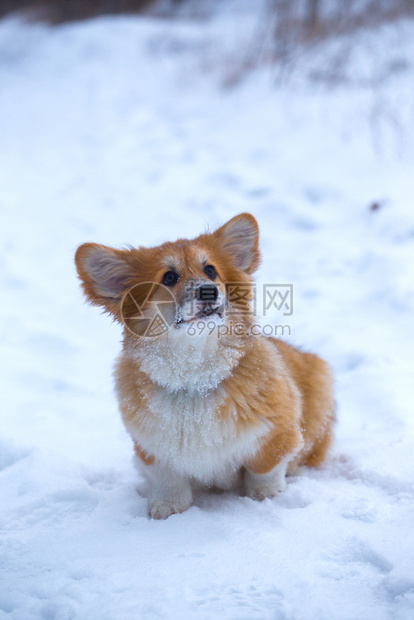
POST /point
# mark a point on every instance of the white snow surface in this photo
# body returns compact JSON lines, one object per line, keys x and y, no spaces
{"x":121,"y":130}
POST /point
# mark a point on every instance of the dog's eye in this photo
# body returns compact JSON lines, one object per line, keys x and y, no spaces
{"x":210,"y":272}
{"x":170,"y":278}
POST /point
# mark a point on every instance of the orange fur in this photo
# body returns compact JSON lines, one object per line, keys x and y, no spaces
{"x":272,"y":399}
{"x":147,"y":460}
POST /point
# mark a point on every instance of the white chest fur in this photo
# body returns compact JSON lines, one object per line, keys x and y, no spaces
{"x":180,"y":422}
{"x":184,"y":432}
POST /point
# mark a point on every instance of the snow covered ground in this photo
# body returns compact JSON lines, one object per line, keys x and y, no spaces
{"x":119,"y":130}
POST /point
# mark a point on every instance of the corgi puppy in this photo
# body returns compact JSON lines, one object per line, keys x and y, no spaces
{"x":206,"y":398}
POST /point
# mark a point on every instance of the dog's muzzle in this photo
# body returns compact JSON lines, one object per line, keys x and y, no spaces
{"x":200,"y":301}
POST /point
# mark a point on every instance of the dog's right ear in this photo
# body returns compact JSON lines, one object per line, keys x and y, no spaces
{"x":105,"y":274}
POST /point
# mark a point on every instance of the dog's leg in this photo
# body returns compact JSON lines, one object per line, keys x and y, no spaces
{"x":260,"y":486}
{"x":170,"y":492}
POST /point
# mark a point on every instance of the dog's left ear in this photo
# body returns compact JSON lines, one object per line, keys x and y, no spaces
{"x":239,"y":240}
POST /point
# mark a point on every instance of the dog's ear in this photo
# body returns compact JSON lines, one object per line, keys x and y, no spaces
{"x":239,"y":240}
{"x":105,"y":274}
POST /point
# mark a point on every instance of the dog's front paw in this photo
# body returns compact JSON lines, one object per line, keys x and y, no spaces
{"x":261,"y":486}
{"x":161,"y":509}
{"x":260,"y":493}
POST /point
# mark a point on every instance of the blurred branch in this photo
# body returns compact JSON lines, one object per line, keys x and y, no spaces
{"x":67,"y":10}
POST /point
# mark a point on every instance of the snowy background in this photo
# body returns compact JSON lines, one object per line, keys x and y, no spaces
{"x":135,"y":130}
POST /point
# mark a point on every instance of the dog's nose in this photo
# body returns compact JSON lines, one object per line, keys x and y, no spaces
{"x":207,"y":292}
